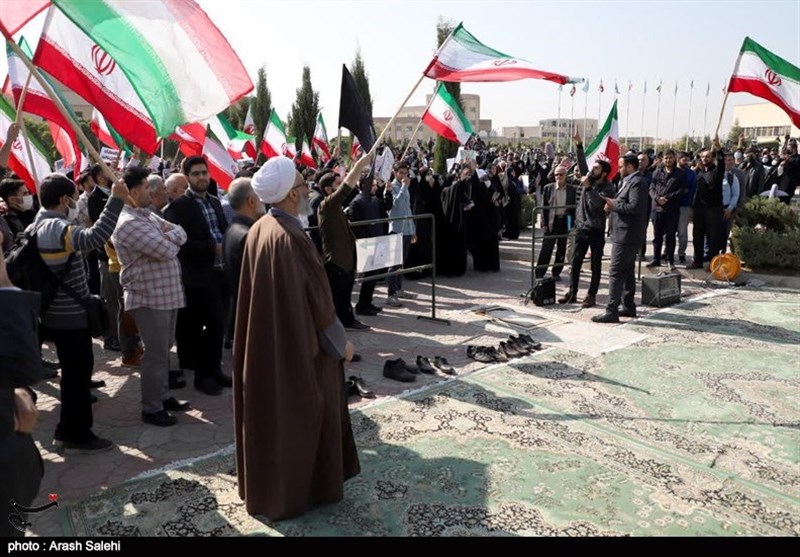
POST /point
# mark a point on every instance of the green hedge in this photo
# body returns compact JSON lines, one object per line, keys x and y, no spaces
{"x":767,"y":234}
{"x":526,"y":215}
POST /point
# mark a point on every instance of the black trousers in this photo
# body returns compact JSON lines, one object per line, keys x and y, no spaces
{"x":707,"y":224}
{"x":665,"y":223}
{"x":367,"y":291}
{"x":21,"y":470}
{"x":622,"y":276}
{"x":559,"y":227}
{"x":341,"y":282}
{"x":74,"y":349}
{"x":585,"y":240}
{"x":201,"y":327}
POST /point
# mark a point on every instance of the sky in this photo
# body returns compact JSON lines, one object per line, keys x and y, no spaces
{"x":623,"y":41}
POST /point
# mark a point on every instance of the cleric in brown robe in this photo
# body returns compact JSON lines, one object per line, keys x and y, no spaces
{"x":294,"y":442}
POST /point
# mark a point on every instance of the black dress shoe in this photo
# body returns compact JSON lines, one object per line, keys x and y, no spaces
{"x":535,"y":344}
{"x":424,"y":365}
{"x":112,"y":345}
{"x":441,"y":363}
{"x":496,"y":355}
{"x":356,"y":357}
{"x":395,"y":369}
{"x":223,"y":380}
{"x":49,"y":364}
{"x":607,"y":317}
{"x":366,"y":311}
{"x":96,"y":384}
{"x":176,"y":383}
{"x":357,"y":326}
{"x":627,"y":312}
{"x":174,"y":405}
{"x":375,"y":308}
{"x":161,"y":418}
{"x":209,"y":386}
{"x":654,"y":263}
{"x":508,"y":350}
{"x":360,"y":387}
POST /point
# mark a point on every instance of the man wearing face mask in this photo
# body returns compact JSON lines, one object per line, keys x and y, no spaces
{"x":753,"y":174}
{"x":789,"y":168}
{"x":20,"y":204}
{"x":65,"y":322}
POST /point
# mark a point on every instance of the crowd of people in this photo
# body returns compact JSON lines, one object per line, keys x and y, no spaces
{"x":175,"y":261}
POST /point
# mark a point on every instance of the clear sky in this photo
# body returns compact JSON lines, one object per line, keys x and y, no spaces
{"x":622,"y":41}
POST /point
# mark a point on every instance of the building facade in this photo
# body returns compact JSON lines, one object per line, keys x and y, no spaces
{"x":763,"y":122}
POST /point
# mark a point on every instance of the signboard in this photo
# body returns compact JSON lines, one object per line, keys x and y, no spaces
{"x":379,"y":252}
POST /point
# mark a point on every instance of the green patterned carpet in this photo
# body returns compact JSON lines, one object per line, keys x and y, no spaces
{"x":694,"y":431}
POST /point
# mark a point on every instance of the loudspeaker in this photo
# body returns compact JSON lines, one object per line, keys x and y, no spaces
{"x":544,"y":292}
{"x":661,"y":290}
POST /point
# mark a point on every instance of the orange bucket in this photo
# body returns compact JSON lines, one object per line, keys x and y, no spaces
{"x":725,"y":266}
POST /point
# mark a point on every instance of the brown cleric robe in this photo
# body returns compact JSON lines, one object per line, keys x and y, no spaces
{"x":294,"y":441}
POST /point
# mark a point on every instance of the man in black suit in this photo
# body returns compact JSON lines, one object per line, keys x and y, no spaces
{"x":201,"y":324}
{"x":557,"y":221}
{"x":628,"y":212}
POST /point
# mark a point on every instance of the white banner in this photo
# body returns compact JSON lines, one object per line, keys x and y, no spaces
{"x":379,"y":252}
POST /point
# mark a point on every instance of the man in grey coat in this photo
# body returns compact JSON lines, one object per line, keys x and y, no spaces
{"x":628,"y":211}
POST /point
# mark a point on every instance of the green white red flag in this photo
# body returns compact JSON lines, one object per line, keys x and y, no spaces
{"x":19,"y":161}
{"x":320,"y":140}
{"x":306,"y":158}
{"x":444,"y":116}
{"x":274,"y":142}
{"x":221,"y":165}
{"x":606,"y":145}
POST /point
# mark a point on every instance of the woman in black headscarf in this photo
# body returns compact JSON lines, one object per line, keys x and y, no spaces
{"x":452,"y":250}
{"x":513,"y":204}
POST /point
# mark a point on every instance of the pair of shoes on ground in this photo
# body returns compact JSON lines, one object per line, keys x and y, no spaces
{"x":355,"y":386}
{"x":399,"y":370}
{"x":514,"y":347}
{"x":91,"y":445}
{"x":657,"y":263}
{"x":568,"y":298}
{"x":393,"y":300}
{"x":164,"y":417}
{"x":613,"y":317}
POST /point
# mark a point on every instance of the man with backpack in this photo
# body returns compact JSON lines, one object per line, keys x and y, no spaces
{"x":64,"y":320}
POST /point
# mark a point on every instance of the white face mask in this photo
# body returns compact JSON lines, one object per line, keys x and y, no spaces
{"x":27,"y":203}
{"x":765,"y":160}
{"x":72,"y":213}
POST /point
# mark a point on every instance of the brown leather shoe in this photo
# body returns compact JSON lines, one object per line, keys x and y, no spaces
{"x":588,"y":301}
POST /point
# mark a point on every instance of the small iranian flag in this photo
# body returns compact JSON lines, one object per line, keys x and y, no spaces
{"x":274,"y":142}
{"x":355,"y":149}
{"x":183,"y":68}
{"x":320,"y":139}
{"x":291,"y":147}
{"x":221,"y":165}
{"x":235,"y":142}
{"x":101,"y":129}
{"x":462,"y":57}
{"x":18,"y":161}
{"x":764,"y":74}
{"x":606,"y":145}
{"x":445,"y":117}
{"x":306,"y":158}
{"x":249,"y":122}
{"x":191,"y":137}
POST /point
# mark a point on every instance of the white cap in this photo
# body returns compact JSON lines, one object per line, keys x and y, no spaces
{"x":273,"y":181}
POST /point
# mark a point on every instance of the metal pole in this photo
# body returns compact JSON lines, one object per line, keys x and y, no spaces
{"x":585,"y":114}
{"x":674,"y":106}
{"x":628,"y":120}
{"x":558,"y":121}
{"x":641,"y":133}
{"x":658,"y":118}
{"x":571,"y":119}
{"x":689,"y":125}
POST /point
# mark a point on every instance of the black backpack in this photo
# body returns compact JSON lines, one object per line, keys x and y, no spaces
{"x":28,"y":271}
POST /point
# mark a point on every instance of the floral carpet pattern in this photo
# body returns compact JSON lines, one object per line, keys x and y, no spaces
{"x":693,"y":431}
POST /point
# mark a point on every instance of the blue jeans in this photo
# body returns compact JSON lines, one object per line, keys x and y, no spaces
{"x":396,"y":282}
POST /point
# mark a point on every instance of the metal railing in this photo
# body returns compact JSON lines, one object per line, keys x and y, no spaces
{"x":402,"y":270}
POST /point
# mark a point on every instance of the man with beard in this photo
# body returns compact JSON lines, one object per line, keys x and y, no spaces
{"x":707,"y":204}
{"x":201,"y":323}
{"x":294,"y":442}
{"x":590,"y":225}
{"x":666,"y":187}
{"x":753,"y":174}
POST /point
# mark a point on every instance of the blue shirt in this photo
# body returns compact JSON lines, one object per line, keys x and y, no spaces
{"x":730,"y":192}
{"x":401,"y":207}
{"x":691,"y":187}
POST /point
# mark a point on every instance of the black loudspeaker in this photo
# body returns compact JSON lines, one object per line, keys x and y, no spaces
{"x":544,"y":292}
{"x":661,"y":290}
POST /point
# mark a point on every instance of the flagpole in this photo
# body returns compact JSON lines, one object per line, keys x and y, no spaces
{"x":705,"y":115}
{"x":674,"y":106}
{"x":599,"y":107}
{"x":658,"y":118}
{"x":571,"y":119}
{"x":689,"y":124}
{"x":641,"y":133}
{"x":24,"y":129}
{"x":558,"y":126}
{"x":64,"y":112}
{"x":413,"y":135}
{"x":585,"y":114}
{"x":628,"y":119}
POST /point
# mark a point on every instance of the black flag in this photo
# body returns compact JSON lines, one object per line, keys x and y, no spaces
{"x":353,"y":114}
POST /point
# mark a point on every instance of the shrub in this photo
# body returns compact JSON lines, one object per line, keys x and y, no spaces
{"x":771,"y":213}
{"x":767,"y":234}
{"x":526,"y":215}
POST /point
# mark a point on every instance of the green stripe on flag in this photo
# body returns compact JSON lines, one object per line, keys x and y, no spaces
{"x":604,"y":132}
{"x":445,"y":95}
{"x":469,"y":41}
{"x":775,"y":62}
{"x":135,"y":56}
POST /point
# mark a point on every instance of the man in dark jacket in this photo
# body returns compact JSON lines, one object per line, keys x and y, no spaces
{"x":628,"y":212}
{"x":201,"y":324}
{"x":558,"y":221}
{"x":666,"y":188}
{"x":707,"y":204}
{"x":753,"y":174}
{"x":20,"y":206}
{"x":366,"y":207}
{"x":590,"y":225}
{"x":247,"y":210}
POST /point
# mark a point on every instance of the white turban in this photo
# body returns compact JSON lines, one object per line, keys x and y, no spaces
{"x":273,"y":181}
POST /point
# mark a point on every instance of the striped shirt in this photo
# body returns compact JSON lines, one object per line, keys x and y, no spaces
{"x":57,"y":239}
{"x":151,"y":272}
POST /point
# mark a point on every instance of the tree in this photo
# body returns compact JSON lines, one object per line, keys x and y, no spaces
{"x":303,"y":118}
{"x":444,"y":148}
{"x":362,"y":81}
{"x":39,"y":131}
{"x":736,"y":131}
{"x":237,"y":112}
{"x":262,"y":105}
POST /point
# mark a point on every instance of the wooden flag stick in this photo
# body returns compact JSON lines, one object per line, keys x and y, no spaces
{"x":722,"y":111}
{"x":64,"y":112}
{"x":22,"y":98}
{"x":413,"y":135}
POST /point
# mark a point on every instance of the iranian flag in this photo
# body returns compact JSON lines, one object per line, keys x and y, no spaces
{"x":72,"y":57}
{"x":249,"y":122}
{"x":606,"y":145}
{"x":291,"y":147}
{"x":274,"y":142}
{"x":764,"y":74}
{"x":183,"y":68}
{"x":221,"y":165}
{"x":235,"y":142}
{"x":18,"y":161}
{"x":100,"y":128}
{"x":306,"y":158}
{"x":445,"y":117}
{"x":191,"y":137}
{"x":67,"y":148}
{"x":355,"y":149}
{"x":320,"y":140}
{"x":14,"y":14}
{"x":462,"y":57}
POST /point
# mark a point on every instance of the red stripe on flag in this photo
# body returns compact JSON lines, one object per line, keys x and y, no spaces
{"x":441,"y":72}
{"x":14,"y":14}
{"x":439,"y":128}
{"x":759,"y":89}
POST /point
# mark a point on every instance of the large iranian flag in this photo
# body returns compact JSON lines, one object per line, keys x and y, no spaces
{"x":221,"y":165}
{"x":462,"y":57}
{"x":320,"y":139}
{"x":181,"y":66}
{"x":274,"y":142}
{"x":606,"y":145}
{"x":444,"y":116}
{"x":19,"y":162}
{"x":764,"y":74}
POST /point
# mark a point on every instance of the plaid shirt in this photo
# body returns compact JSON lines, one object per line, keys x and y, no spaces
{"x":211,"y":219}
{"x":151,"y":273}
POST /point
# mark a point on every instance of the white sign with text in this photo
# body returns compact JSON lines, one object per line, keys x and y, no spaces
{"x":379,"y":252}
